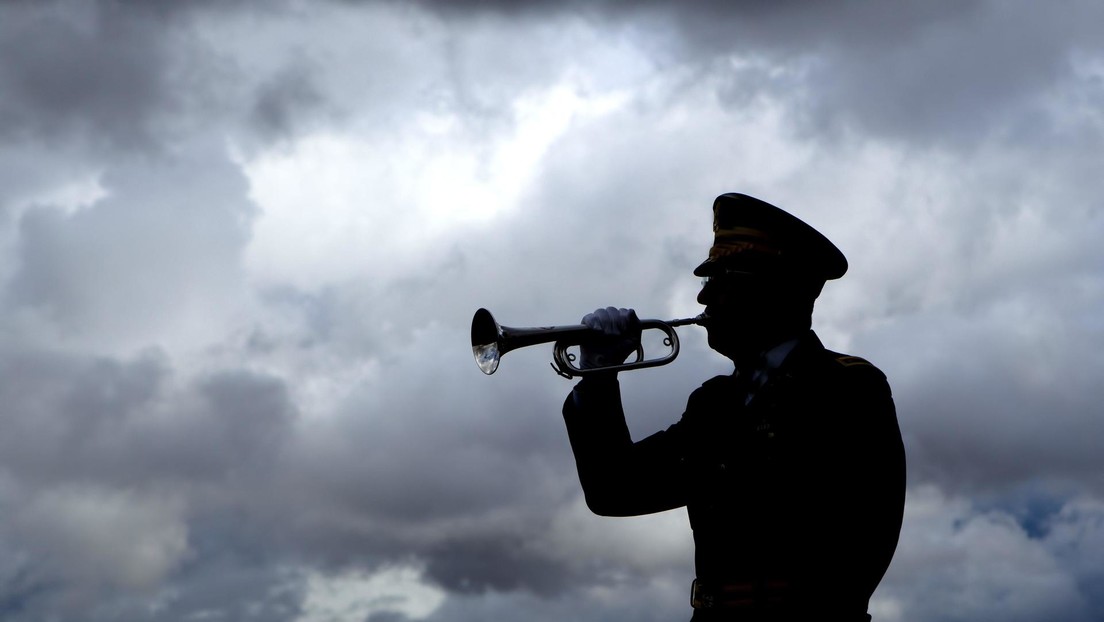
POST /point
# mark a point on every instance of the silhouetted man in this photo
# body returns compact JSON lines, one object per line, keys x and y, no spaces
{"x":791,"y":468}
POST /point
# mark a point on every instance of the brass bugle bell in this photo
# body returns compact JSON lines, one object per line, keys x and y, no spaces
{"x":490,"y":341}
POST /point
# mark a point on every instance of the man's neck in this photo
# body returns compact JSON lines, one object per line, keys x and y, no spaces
{"x":772,"y":355}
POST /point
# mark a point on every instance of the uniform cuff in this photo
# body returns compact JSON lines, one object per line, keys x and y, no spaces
{"x":595,"y":389}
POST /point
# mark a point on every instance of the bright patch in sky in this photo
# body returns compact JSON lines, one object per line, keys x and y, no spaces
{"x":356,"y":596}
{"x":333,"y":204}
{"x":70,"y":197}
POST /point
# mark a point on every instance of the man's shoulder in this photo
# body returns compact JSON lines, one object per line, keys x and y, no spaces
{"x":716,"y":384}
{"x":839,"y":366}
{"x":849,"y":375}
{"x":839,"y":361}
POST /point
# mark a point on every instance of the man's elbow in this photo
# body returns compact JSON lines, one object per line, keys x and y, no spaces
{"x":603,"y":503}
{"x":598,"y":506}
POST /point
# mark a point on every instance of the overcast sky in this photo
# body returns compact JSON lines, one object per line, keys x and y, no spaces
{"x":242,"y":243}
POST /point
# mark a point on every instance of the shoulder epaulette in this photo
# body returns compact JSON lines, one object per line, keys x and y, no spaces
{"x":851,"y":361}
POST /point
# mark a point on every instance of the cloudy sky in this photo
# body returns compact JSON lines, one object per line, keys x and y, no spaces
{"x":242,"y":243}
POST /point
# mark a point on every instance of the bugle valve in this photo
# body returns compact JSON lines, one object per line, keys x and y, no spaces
{"x":490,"y":341}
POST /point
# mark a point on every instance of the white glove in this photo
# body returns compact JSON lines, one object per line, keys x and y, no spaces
{"x":620,"y":337}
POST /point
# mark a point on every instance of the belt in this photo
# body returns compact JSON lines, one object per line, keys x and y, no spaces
{"x":767,"y":594}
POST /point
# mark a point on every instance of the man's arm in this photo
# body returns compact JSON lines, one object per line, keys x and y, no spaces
{"x":620,"y":477}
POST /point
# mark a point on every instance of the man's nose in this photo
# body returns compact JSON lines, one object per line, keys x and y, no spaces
{"x":707,"y":295}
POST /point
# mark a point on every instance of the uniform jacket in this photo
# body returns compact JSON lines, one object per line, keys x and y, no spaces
{"x":804,"y":485}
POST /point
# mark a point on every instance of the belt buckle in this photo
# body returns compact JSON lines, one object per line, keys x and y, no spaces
{"x":700,"y":597}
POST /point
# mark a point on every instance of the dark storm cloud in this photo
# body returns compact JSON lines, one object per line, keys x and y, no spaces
{"x":43,"y":392}
{"x":110,"y":421}
{"x":983,"y":426}
{"x":921,"y":72}
{"x":946,"y":73}
{"x":99,"y":456}
{"x":496,"y":563}
{"x":282,"y":99}
{"x":82,"y":70}
{"x":134,"y":75}
{"x":158,"y":399}
{"x":234,"y":587}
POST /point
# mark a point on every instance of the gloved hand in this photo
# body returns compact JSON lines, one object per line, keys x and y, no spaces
{"x":620,"y":337}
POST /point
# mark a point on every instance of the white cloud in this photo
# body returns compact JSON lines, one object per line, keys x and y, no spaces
{"x":335,"y":207}
{"x":104,"y":538}
{"x":355,"y":595}
{"x":958,"y":562}
{"x":638,"y":547}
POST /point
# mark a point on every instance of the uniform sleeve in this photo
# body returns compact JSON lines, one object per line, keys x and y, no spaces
{"x":868,"y":481}
{"x":620,"y":477}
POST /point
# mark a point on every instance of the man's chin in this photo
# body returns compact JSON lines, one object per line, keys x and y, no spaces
{"x":724,"y":341}
{"x":733,"y":344}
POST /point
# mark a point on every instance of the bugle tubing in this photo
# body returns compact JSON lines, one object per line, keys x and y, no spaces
{"x":491,"y":341}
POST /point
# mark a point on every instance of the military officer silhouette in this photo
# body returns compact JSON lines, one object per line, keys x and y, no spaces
{"x":791,"y":468}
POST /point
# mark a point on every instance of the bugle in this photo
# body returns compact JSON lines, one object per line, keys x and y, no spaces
{"x":490,"y":341}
